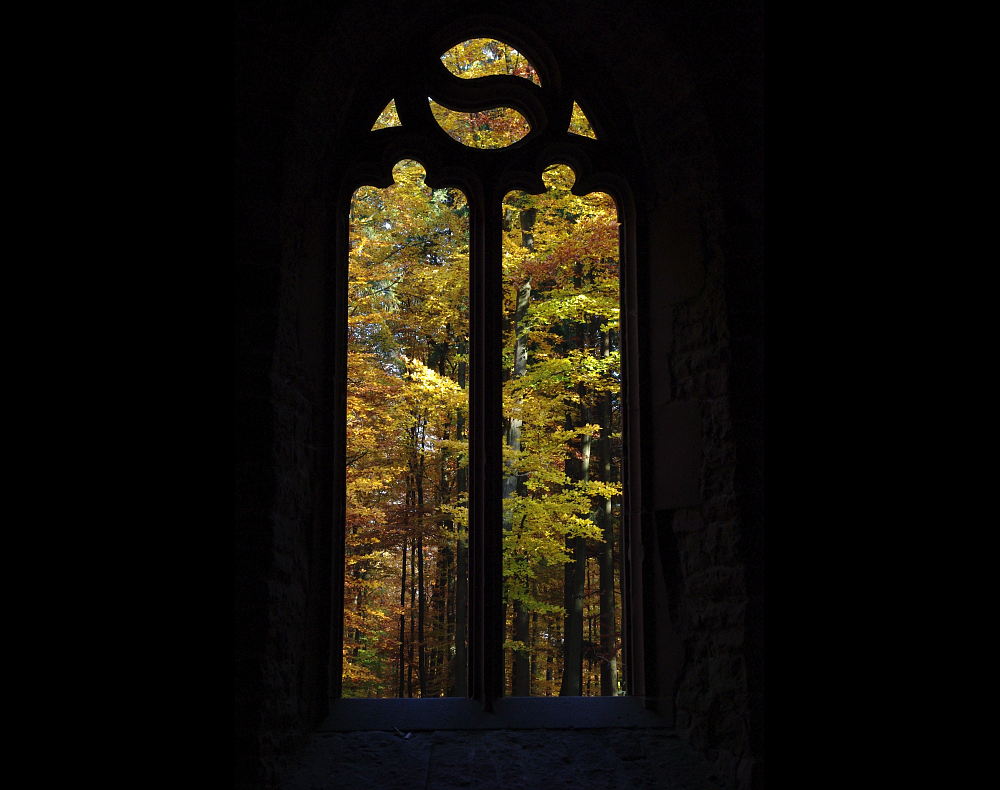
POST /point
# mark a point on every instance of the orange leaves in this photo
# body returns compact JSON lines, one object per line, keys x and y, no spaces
{"x":496,"y":128}
{"x":407,"y":413}
{"x":407,"y":315}
{"x":594,"y":243}
{"x":571,"y":236}
{"x":566,"y":246}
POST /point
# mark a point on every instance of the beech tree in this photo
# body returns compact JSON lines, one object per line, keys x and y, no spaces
{"x":406,"y":565}
{"x":570,"y":269}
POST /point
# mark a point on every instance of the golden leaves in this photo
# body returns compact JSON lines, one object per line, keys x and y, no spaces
{"x":407,"y":414}
{"x":580,"y":124}
{"x":496,"y":128}
{"x":388,"y":117}
{"x":484,"y":57}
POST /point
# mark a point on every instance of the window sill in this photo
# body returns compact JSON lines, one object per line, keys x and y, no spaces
{"x":510,"y":713}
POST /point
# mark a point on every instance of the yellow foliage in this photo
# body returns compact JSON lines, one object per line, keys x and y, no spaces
{"x":407,"y":412}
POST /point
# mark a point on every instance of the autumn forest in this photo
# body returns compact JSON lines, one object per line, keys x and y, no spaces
{"x":406,"y":575}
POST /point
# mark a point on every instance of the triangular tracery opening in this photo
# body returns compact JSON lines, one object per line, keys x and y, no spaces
{"x":579,"y":124}
{"x":389,"y":117}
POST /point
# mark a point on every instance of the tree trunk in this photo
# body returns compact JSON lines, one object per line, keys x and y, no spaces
{"x":590,"y":634}
{"x":421,"y":598}
{"x":421,"y":614}
{"x":572,"y":684}
{"x":444,"y":596}
{"x":534,"y":639}
{"x":609,"y":663}
{"x":461,"y":687}
{"x":413,"y":620}
{"x":521,"y":681}
{"x":573,"y":631}
{"x":402,"y":625}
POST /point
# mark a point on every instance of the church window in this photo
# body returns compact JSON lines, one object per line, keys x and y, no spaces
{"x":484,"y":397}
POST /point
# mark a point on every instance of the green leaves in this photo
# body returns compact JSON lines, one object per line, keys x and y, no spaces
{"x":407,"y":412}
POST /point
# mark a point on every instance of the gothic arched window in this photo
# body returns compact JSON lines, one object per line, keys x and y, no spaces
{"x":484,"y":228}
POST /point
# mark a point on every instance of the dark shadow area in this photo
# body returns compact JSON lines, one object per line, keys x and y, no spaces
{"x":680,"y":86}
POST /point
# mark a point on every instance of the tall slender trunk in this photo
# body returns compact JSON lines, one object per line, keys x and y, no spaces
{"x":402,"y":625}
{"x":445,"y":567}
{"x":359,"y":599}
{"x":521,"y":670}
{"x":421,"y":600}
{"x":534,"y":640}
{"x":421,"y":614}
{"x":550,"y":657}
{"x":572,"y":682}
{"x":413,"y":618}
{"x":441,"y":595}
{"x":609,"y":662}
{"x":590,"y":633}
{"x":461,"y":687}
{"x":521,"y":682}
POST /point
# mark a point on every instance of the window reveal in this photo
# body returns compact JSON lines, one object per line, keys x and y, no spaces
{"x":502,"y":477}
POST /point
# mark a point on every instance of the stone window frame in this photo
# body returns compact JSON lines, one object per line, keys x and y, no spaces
{"x":486,"y":176}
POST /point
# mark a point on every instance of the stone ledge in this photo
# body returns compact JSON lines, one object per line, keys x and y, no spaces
{"x":510,"y":713}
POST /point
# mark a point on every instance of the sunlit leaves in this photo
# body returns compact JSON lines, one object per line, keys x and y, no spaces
{"x":484,"y":57}
{"x":495,"y":128}
{"x":579,"y":124}
{"x":388,"y":117}
{"x":408,"y":328}
{"x":565,"y":248}
{"x":407,"y":309}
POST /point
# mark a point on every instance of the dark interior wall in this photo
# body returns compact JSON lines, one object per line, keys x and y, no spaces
{"x":688,"y":82}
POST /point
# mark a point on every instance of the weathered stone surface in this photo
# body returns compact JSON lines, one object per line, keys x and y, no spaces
{"x":688,"y":520}
{"x":697,"y":109}
{"x":600,"y":759}
{"x":722,"y":616}
{"x":717,"y":582}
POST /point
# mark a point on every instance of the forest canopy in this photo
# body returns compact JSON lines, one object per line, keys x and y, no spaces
{"x":406,"y":575}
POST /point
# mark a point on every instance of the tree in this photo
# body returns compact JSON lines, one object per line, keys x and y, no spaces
{"x":570,"y":270}
{"x":406,"y":322}
{"x":405,"y":615}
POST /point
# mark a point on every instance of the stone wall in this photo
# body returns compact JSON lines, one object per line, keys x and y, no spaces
{"x":696,"y":109}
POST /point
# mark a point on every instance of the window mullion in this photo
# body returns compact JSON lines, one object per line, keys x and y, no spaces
{"x":486,"y":622}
